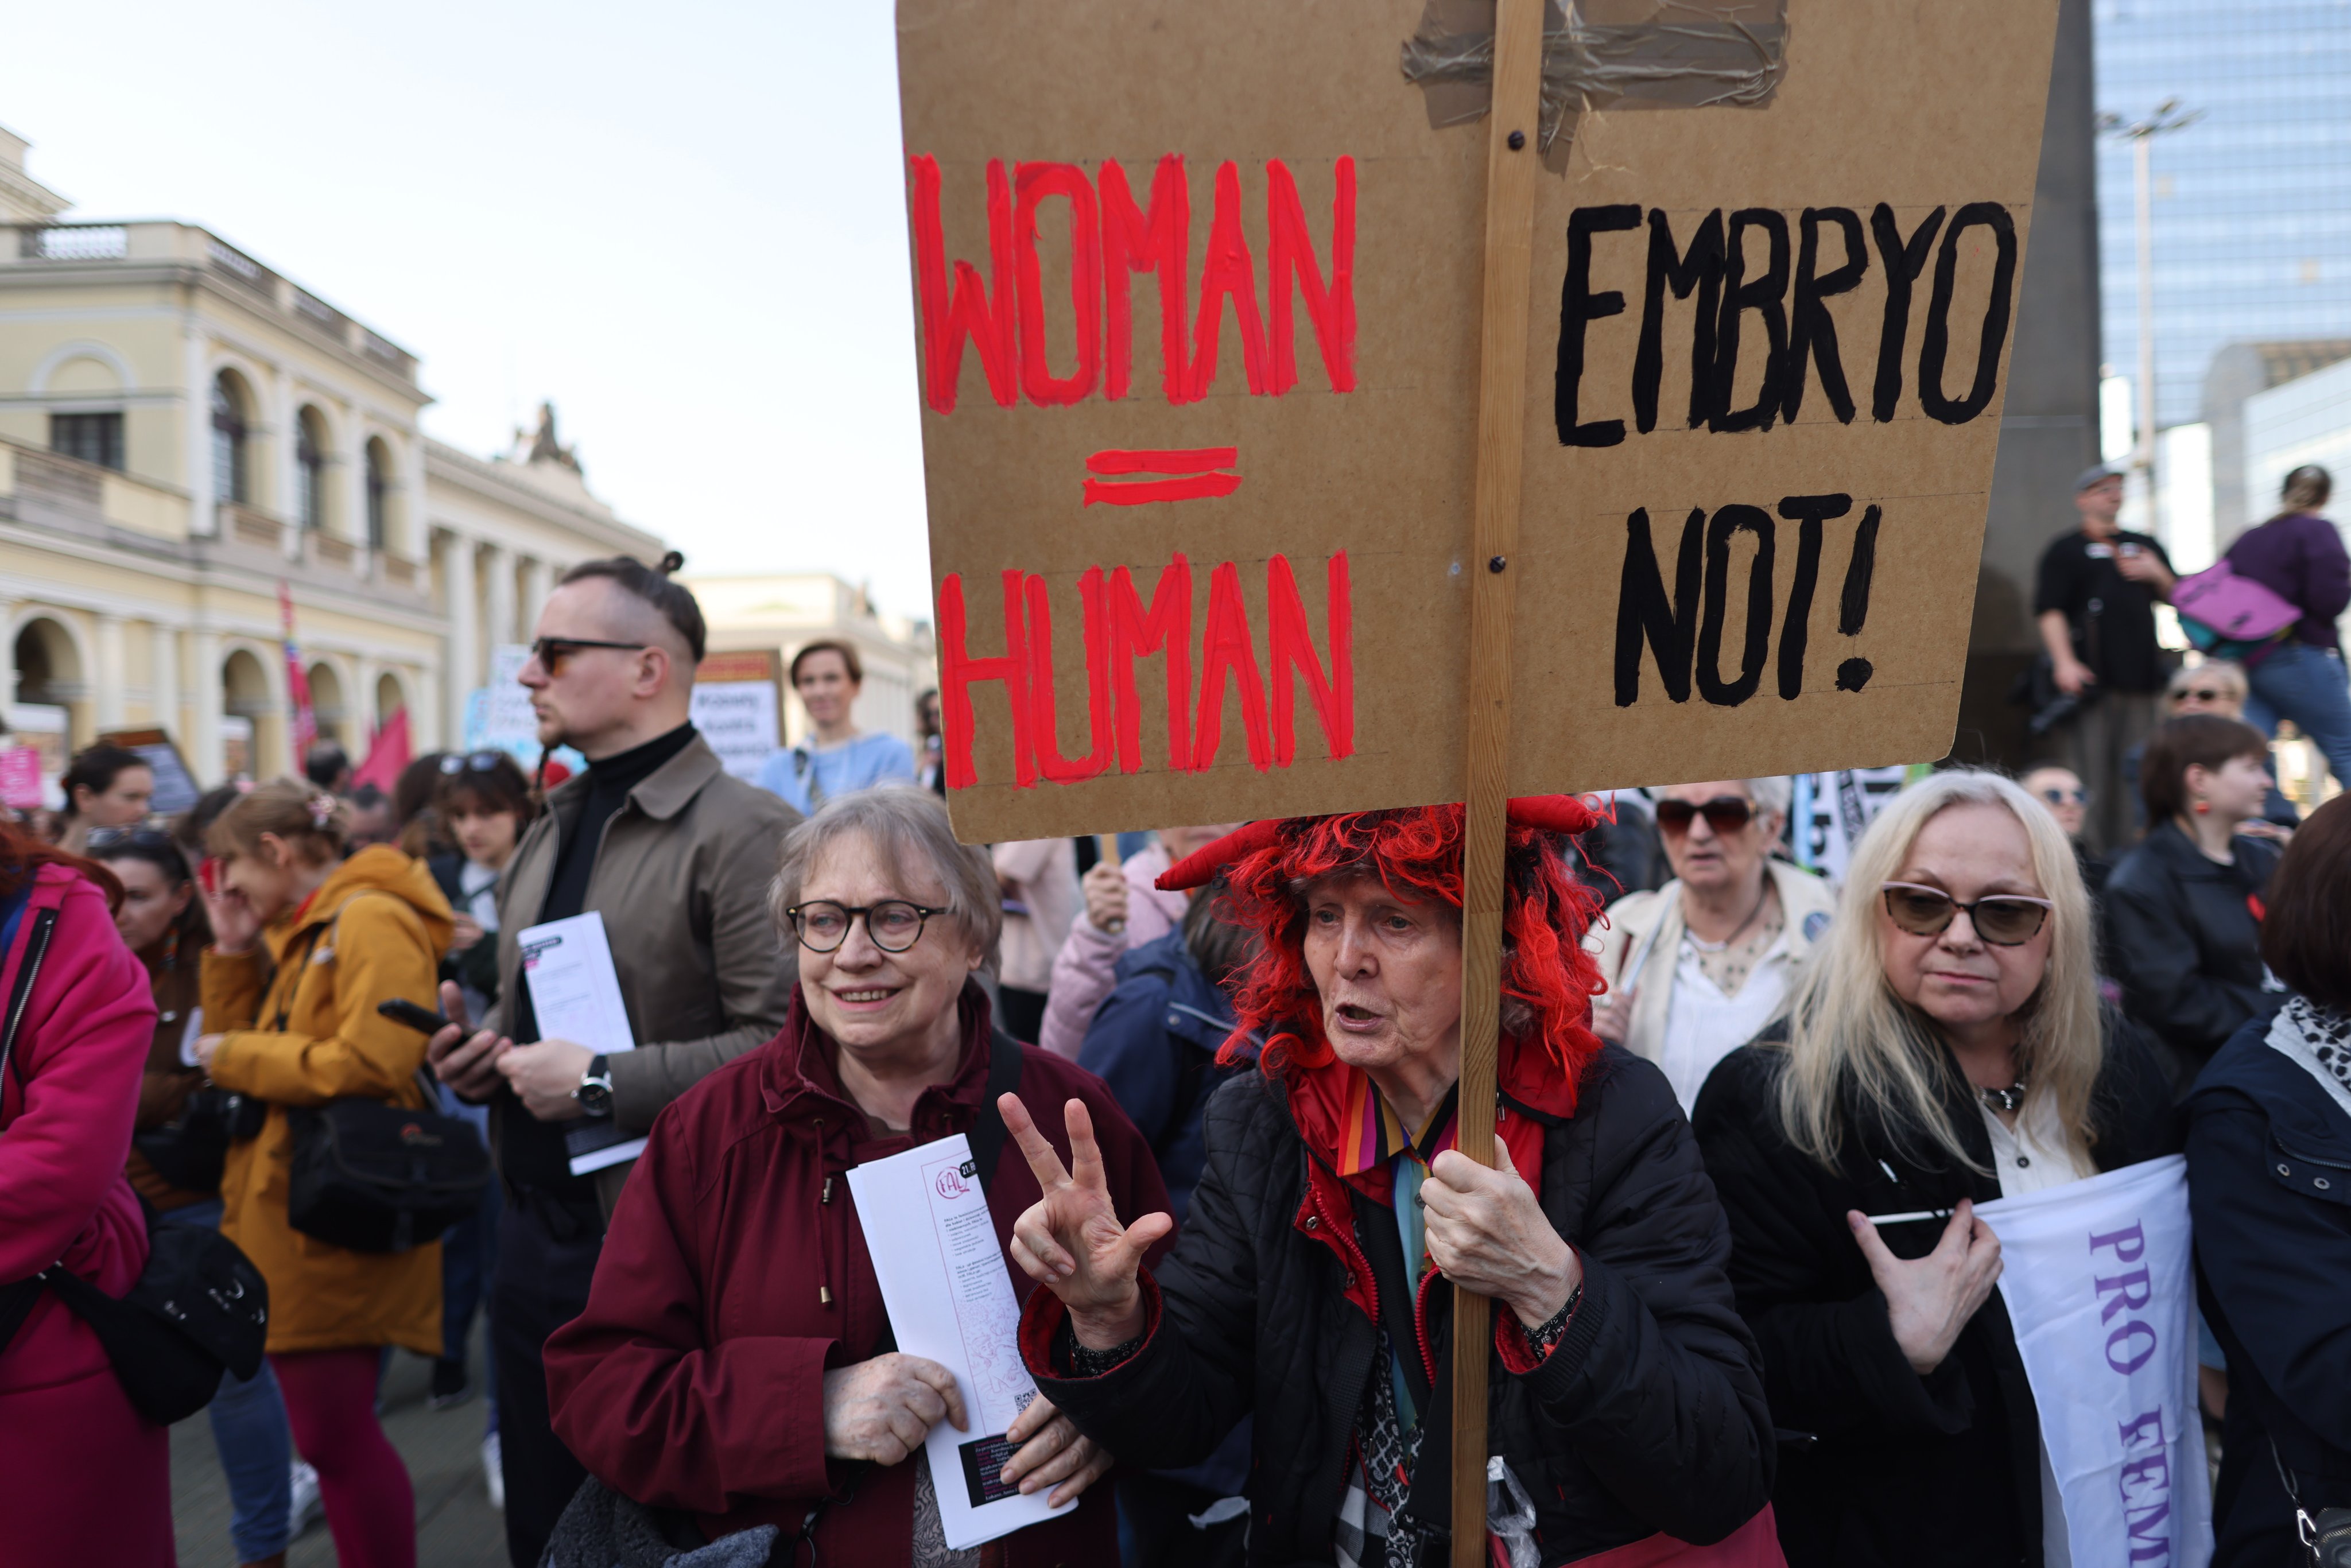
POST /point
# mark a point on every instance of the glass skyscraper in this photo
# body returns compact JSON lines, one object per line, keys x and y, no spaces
{"x":2252,"y":203}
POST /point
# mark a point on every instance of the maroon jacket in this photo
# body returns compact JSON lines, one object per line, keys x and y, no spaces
{"x":734,"y":1275}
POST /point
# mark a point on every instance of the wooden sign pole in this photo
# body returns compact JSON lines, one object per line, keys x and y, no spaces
{"x":1512,"y":164}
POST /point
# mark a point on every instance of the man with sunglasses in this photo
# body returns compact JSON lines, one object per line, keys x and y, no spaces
{"x":1697,"y":967}
{"x":676,"y":855}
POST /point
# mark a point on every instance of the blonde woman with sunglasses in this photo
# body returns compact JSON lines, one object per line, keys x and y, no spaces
{"x":1944,"y":1047}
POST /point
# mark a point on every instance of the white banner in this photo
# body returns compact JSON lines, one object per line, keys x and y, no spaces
{"x":2097,"y":1280}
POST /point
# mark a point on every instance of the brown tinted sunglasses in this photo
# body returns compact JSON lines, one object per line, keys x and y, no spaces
{"x":2002,"y":919}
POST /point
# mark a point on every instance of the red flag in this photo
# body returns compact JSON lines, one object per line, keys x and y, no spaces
{"x":304,"y":730}
{"x":389,"y":754}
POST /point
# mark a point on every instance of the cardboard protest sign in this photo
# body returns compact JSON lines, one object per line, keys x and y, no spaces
{"x":175,"y":787}
{"x":1198,"y":302}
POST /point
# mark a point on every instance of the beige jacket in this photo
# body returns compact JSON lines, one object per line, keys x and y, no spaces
{"x":1646,"y":929}
{"x":682,"y":879}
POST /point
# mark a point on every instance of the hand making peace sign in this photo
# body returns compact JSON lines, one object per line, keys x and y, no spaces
{"x":1071,"y":1240}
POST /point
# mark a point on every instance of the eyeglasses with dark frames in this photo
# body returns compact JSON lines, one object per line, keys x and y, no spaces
{"x":822,"y":926}
{"x":550,"y":652}
{"x":2002,"y":919}
{"x":1724,"y":814}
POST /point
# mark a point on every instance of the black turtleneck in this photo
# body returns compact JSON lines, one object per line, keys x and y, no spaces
{"x":532,"y":1152}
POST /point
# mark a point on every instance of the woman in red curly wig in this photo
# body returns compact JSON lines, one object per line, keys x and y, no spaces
{"x":1307,"y":1289}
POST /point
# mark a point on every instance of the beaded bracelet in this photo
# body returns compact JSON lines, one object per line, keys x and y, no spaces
{"x":1552,"y":1329}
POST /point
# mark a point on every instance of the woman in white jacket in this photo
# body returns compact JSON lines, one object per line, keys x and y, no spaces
{"x":1696,"y":968}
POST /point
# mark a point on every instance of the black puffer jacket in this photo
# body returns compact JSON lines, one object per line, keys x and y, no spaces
{"x":1882,"y":1467}
{"x":2185,"y":943}
{"x":1647,"y":1417}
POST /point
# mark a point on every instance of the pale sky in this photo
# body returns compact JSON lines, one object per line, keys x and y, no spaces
{"x":682,"y":222}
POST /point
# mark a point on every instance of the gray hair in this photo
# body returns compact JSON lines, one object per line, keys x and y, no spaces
{"x":909,"y":827}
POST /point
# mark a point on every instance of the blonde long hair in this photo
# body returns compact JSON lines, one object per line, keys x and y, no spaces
{"x":1852,"y":1042}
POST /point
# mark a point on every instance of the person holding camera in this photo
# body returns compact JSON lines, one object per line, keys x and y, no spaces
{"x":2095,"y":602}
{"x":305,"y":944}
{"x":177,"y":1145}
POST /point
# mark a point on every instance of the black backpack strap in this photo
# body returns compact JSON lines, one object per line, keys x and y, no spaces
{"x":988,"y":1130}
{"x":20,"y":995}
{"x":16,"y":1298}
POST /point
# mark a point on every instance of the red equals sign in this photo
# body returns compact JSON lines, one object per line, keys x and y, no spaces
{"x":1194,"y":470}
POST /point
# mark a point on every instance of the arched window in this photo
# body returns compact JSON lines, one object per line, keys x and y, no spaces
{"x":379,"y":492}
{"x":229,"y":477}
{"x":309,"y":471}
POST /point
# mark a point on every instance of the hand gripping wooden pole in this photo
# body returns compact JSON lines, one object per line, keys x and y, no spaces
{"x":1512,"y":164}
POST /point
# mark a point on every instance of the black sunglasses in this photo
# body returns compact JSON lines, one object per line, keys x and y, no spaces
{"x":2200,"y":694}
{"x":2002,"y":919}
{"x":2075,"y":797}
{"x":550,"y":652}
{"x":1724,"y":814}
{"x":473,"y":762}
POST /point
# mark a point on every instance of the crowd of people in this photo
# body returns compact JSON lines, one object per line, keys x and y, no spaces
{"x":1210,"y":1079}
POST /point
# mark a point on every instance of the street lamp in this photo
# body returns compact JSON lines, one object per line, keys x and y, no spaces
{"x":2141,"y":135}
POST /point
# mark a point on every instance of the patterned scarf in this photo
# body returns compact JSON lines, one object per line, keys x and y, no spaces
{"x":2318,"y":1039}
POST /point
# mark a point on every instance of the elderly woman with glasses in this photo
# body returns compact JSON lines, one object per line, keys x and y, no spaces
{"x":1944,"y":1048}
{"x":736,"y":1367}
{"x":1697,"y":967}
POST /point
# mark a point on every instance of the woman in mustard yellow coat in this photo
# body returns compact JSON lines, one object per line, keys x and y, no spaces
{"x":297,"y":1027}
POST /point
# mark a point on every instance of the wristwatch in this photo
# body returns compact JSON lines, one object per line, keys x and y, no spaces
{"x":595,"y":1091}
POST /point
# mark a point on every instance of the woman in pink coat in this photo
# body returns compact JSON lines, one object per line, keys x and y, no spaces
{"x":87,"y":1479}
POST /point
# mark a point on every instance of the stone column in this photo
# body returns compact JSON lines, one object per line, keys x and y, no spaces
{"x":284,"y":498}
{"x":203,"y":485}
{"x":407,"y":528}
{"x":112,"y":672}
{"x":163,"y":667}
{"x":537,"y":578}
{"x":462,"y":667}
{"x":7,"y":652}
{"x":349,"y":478}
{"x":205,"y":707}
{"x":498,"y":579}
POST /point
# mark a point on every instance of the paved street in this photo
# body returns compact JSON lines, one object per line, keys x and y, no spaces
{"x":455,"y":1526}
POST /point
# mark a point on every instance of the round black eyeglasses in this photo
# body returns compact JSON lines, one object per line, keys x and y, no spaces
{"x":822,"y":926}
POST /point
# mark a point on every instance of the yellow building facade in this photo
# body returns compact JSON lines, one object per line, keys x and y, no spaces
{"x":182,"y":430}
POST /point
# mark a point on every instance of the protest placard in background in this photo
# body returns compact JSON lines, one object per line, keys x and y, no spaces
{"x":175,"y":787}
{"x":20,"y":777}
{"x":738,"y":707}
{"x":1197,"y":297}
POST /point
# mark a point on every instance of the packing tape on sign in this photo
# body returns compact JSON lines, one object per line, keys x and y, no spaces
{"x":1605,"y":53}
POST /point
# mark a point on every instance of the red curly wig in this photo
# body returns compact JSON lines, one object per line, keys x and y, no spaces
{"x":1416,"y":854}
